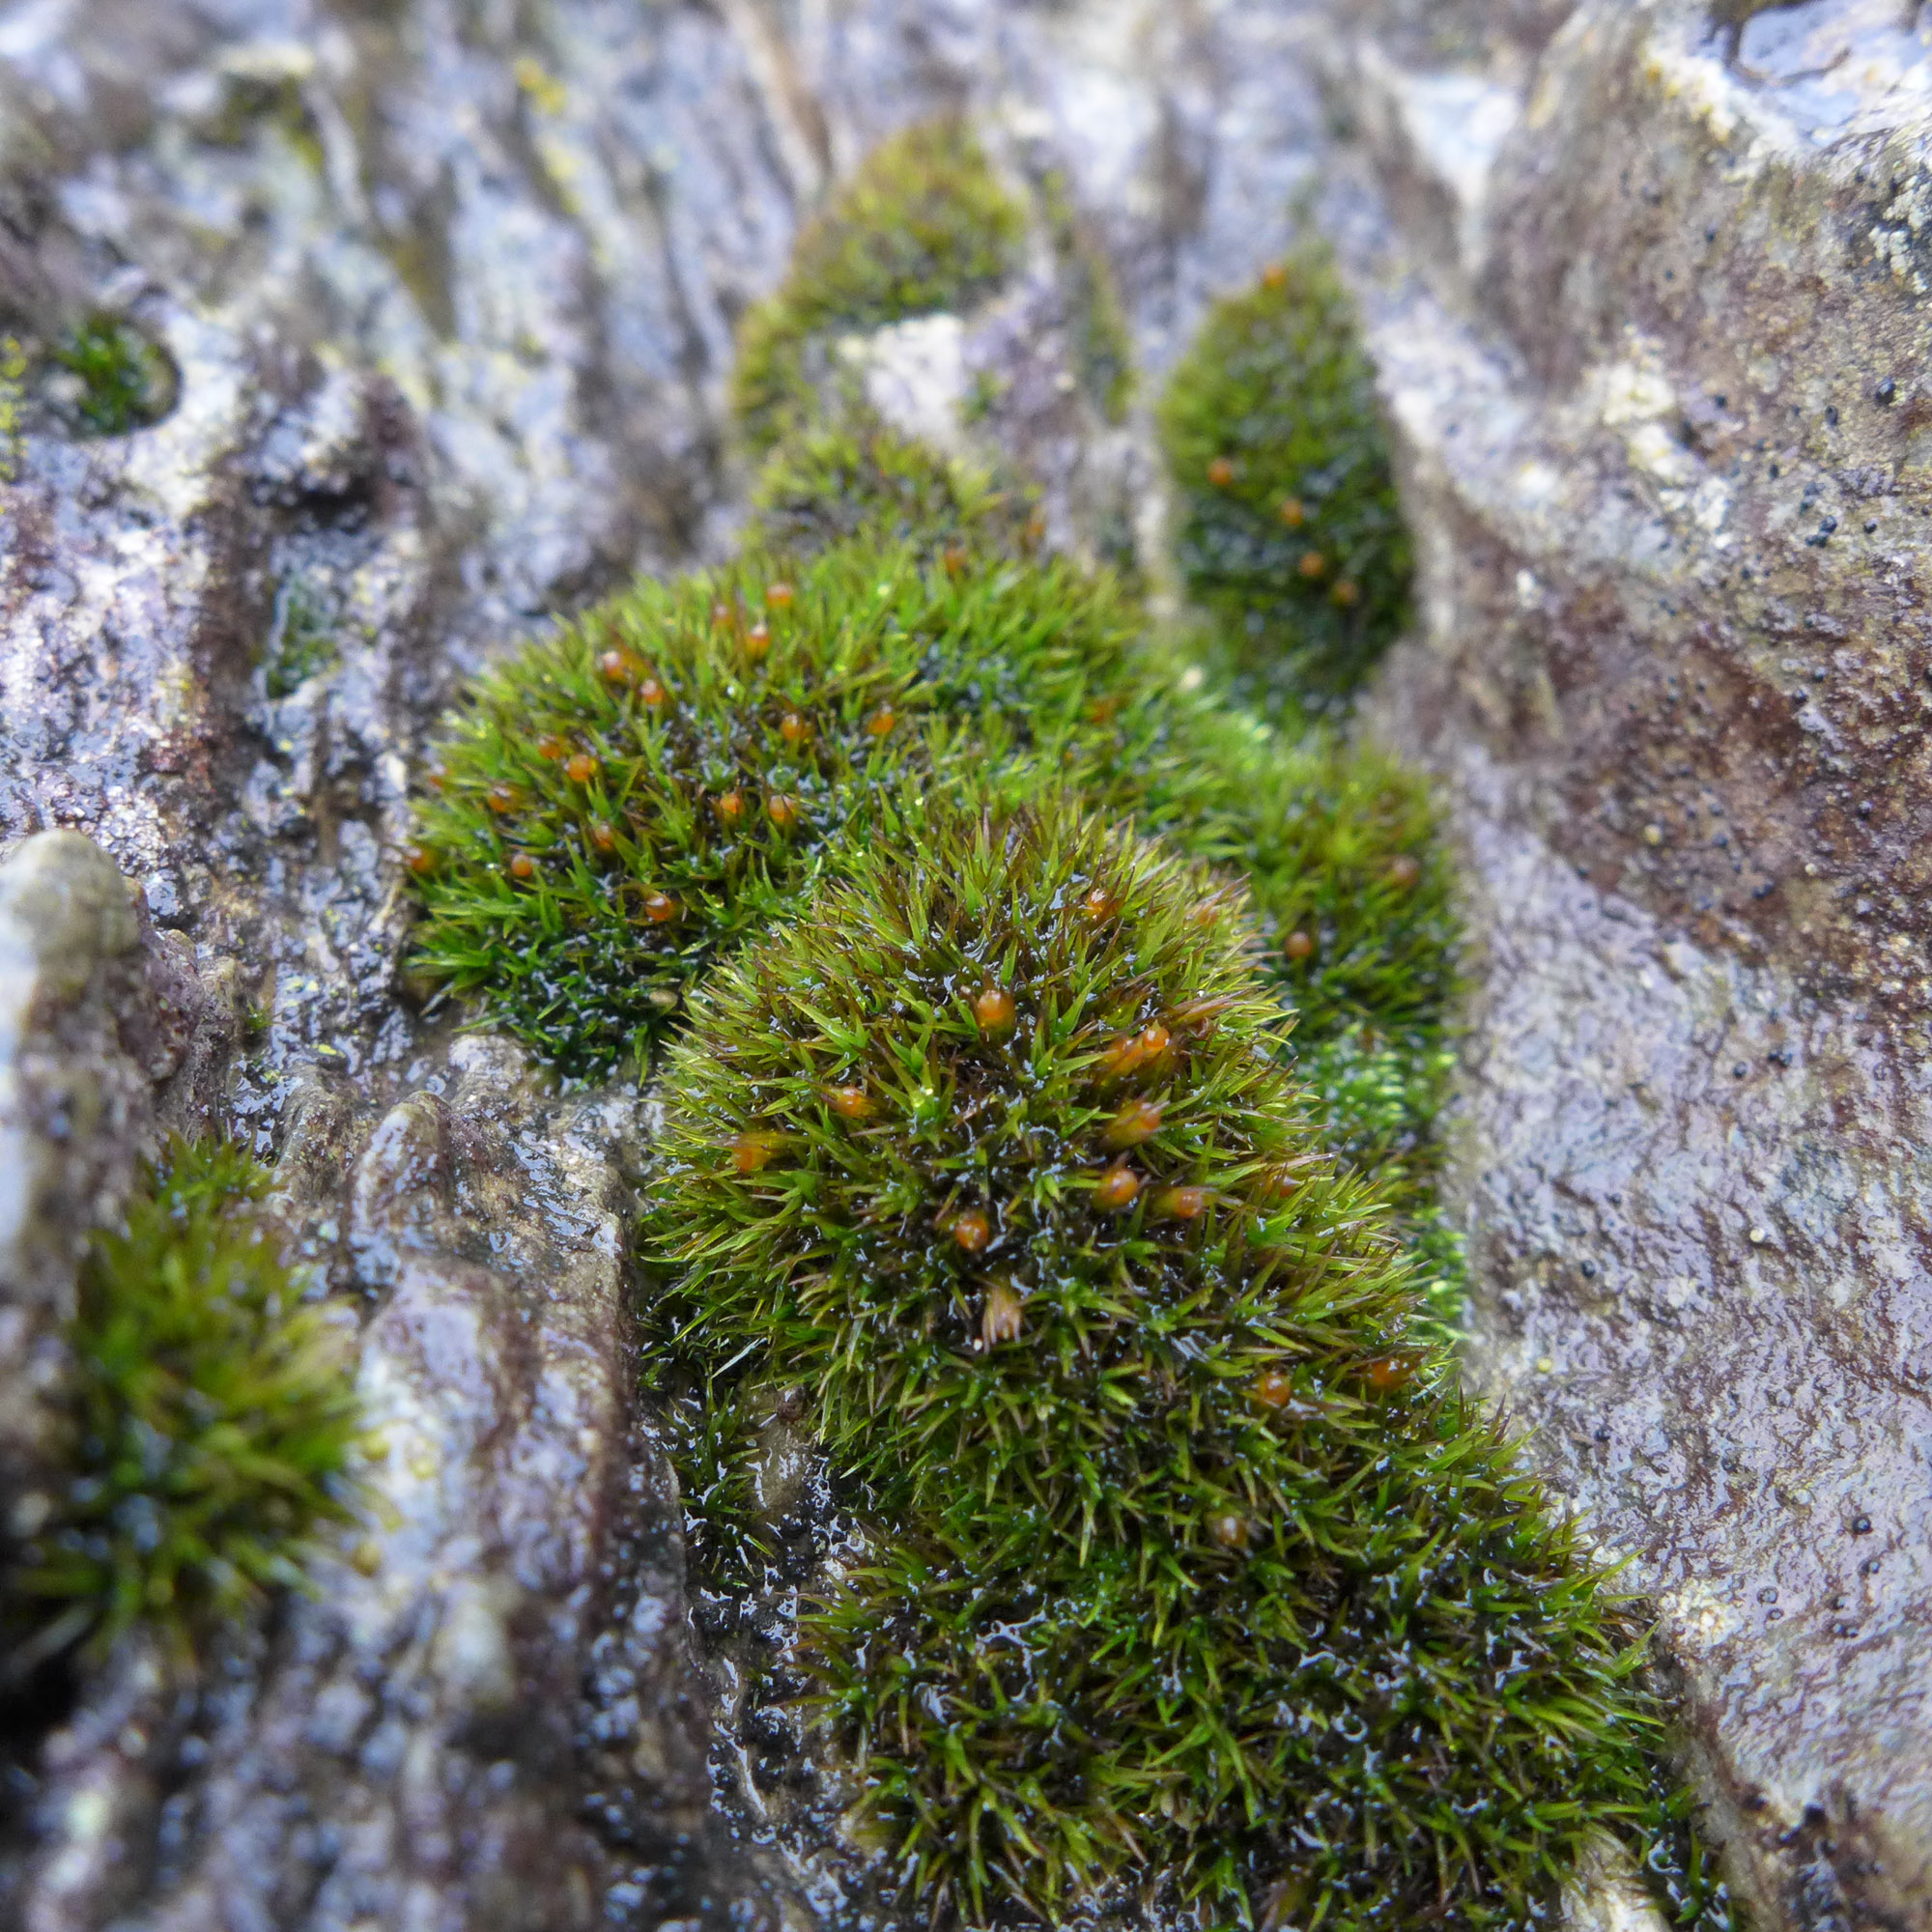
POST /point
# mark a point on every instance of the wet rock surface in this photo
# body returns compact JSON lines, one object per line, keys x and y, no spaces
{"x":1648,"y":325}
{"x":447,"y":295}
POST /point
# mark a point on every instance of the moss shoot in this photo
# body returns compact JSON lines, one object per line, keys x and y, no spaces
{"x":214,"y":1420}
{"x":924,"y":226}
{"x":1291,"y":536}
{"x":124,"y":381}
{"x":1179,"y":1558}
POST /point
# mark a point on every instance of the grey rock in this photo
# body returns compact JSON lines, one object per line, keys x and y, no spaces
{"x":1649,"y":358}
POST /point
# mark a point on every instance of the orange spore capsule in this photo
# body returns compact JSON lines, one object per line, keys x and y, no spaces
{"x":757,"y":641}
{"x":1388,"y":1373}
{"x":972,"y":1230}
{"x":660,"y":908}
{"x":1221,"y":473}
{"x":1293,"y":513}
{"x":420,"y":860}
{"x":652,"y":692}
{"x":781,"y":810}
{"x":1198,"y":1016}
{"x":1346,"y":593}
{"x":614,"y":666}
{"x":1099,"y":904}
{"x":723,"y":617}
{"x":1181,"y":1204}
{"x":436,"y":778}
{"x":1274,"y":277}
{"x":1299,"y":946}
{"x":795,"y":728}
{"x":1273,"y":1389}
{"x":881,"y":722}
{"x":994,"y":1009}
{"x":1404,"y":872}
{"x":1313,"y":565}
{"x":955,"y":559}
{"x":500,"y":799}
{"x":852,"y":1103}
{"x":1136,"y":1051}
{"x":581,"y":769}
{"x":729,"y":807}
{"x":1103,"y":710}
{"x":778,"y":596}
{"x":1229,"y":1528}
{"x":550,"y":746}
{"x":602,"y":835}
{"x":1115,"y":1190}
{"x":523,"y":866}
{"x":752,"y":1153}
{"x":1137,"y":1120}
{"x":1002,"y":1316}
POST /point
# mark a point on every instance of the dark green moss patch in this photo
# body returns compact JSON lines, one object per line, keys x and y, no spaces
{"x":924,"y":226}
{"x":1182,"y":1559}
{"x":1289,"y":533}
{"x":214,"y":1419}
{"x":301,"y":642}
{"x":125,"y":382}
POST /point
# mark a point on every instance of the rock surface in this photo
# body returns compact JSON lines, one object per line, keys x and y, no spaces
{"x":1650,"y":321}
{"x":449,"y":292}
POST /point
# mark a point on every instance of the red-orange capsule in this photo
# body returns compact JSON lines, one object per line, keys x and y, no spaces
{"x":523,"y":866}
{"x":1002,"y":1317}
{"x":1299,"y":946}
{"x":660,"y":908}
{"x":420,"y":860}
{"x":581,"y":769}
{"x":972,"y":1230}
{"x":1404,"y":872}
{"x":1293,"y":513}
{"x":881,"y":722}
{"x":652,"y":692}
{"x":1313,"y":565}
{"x":502,"y":798}
{"x":614,"y":666}
{"x":1229,"y":1528}
{"x":1388,"y":1373}
{"x":1221,"y":473}
{"x":602,"y":835}
{"x":955,"y":559}
{"x":795,"y":729}
{"x":1273,"y":1389}
{"x":781,"y":810}
{"x":1098,"y":905}
{"x":1117,"y":1189}
{"x":751,"y":1153}
{"x":757,"y":641}
{"x":994,"y":1009}
{"x":1346,"y":593}
{"x":1181,"y":1204}
{"x":550,"y":746}
{"x":778,"y":596}
{"x":729,"y":806}
{"x":1137,"y":1120}
{"x":852,"y":1103}
{"x":1274,"y":277}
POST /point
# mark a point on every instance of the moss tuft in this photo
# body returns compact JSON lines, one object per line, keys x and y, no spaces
{"x":125,"y":382}
{"x":859,"y":480}
{"x":214,"y":1421}
{"x":1179,"y":1558}
{"x":1289,"y":533}
{"x":301,"y":642}
{"x":924,"y":225}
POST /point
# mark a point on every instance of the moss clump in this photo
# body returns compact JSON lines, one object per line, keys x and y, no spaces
{"x":859,"y":480}
{"x":925,"y":225}
{"x":672,"y":773}
{"x":1289,"y":533}
{"x":125,"y":382}
{"x":214,"y":1420}
{"x":302,"y":642}
{"x":1180,"y":1559}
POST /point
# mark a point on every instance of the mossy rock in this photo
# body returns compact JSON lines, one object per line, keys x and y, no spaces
{"x":215,"y":1422}
{"x":924,"y":226}
{"x":122,"y":380}
{"x":1182,"y":1558}
{"x":859,"y":480}
{"x":1291,"y":536}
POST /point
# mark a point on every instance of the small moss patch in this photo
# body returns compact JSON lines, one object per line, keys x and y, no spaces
{"x":924,"y":226}
{"x":125,"y":382}
{"x":214,"y":1419}
{"x":303,"y":640}
{"x":1291,"y":536}
{"x":1180,"y":1559}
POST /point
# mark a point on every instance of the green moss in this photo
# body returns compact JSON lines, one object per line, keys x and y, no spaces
{"x":1289,"y":533}
{"x":924,"y":226}
{"x":859,"y":480}
{"x":213,"y":1418}
{"x":126,"y":382}
{"x":677,"y":770}
{"x":1181,"y":1559}
{"x":302,"y":642}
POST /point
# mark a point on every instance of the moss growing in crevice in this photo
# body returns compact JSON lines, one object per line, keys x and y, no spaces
{"x":924,"y":225}
{"x":214,"y":1423}
{"x":121,"y":380}
{"x":1102,"y":352}
{"x":1290,"y":534}
{"x":1180,"y":1560}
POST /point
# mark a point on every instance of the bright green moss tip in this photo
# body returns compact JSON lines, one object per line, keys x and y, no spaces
{"x":924,"y":226}
{"x":1289,"y":533}
{"x":1179,"y":1558}
{"x":213,"y":1418}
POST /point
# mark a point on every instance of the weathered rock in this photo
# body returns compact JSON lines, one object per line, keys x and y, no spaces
{"x":1648,"y":322}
